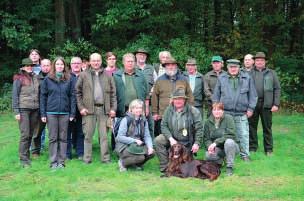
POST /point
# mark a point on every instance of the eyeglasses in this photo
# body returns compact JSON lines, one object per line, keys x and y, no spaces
{"x":76,"y":63}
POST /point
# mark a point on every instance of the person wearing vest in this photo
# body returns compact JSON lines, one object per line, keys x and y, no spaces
{"x":211,"y":80}
{"x":57,"y":109}
{"x":181,"y":123}
{"x":236,"y":90}
{"x":96,"y":101}
{"x":25,"y":102}
{"x":220,"y":138}
{"x":133,"y":141}
{"x":268,"y":89}
{"x":196,"y":81}
{"x":39,"y":140}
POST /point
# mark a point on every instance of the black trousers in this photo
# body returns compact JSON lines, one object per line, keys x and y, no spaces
{"x":266,"y":119}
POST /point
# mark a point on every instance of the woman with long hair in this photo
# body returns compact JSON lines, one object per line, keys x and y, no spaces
{"x":57,"y":108}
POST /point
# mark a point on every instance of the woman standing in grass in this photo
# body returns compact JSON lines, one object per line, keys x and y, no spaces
{"x":57,"y":108}
{"x":26,"y":107}
{"x":133,"y":141}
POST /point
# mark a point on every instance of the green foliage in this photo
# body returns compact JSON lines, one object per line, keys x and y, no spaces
{"x":80,"y":48}
{"x":6,"y":98}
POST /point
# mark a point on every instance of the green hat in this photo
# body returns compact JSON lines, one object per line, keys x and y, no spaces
{"x":179,"y":93}
{"x":170,"y":61}
{"x":142,"y":50}
{"x":216,"y":58}
{"x":233,"y":62}
{"x":191,"y":61}
{"x":27,"y":62}
{"x":260,"y":55}
{"x":136,"y":149}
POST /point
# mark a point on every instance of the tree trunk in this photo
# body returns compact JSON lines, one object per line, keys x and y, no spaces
{"x":59,"y":22}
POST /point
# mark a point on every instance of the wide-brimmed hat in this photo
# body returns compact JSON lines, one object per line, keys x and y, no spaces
{"x":179,"y":93}
{"x":26,"y":62}
{"x":170,"y":61}
{"x":260,"y":55}
{"x":142,"y":50}
{"x":216,"y":58}
{"x":136,"y":149}
{"x":191,"y":61}
{"x":233,"y":62}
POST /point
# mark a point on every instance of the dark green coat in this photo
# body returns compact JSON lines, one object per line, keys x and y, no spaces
{"x":193,"y":124}
{"x":140,"y":85}
{"x":226,"y":130}
{"x":272,"y":88}
{"x":198,"y":92}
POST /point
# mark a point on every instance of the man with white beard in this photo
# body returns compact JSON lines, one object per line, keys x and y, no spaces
{"x":164,"y":86}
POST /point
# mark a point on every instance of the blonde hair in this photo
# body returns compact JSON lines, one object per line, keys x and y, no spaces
{"x":128,"y":55}
{"x":136,"y":103}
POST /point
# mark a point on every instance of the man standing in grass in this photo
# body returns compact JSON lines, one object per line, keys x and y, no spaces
{"x":236,"y":90}
{"x":96,"y":100}
{"x":268,"y":89}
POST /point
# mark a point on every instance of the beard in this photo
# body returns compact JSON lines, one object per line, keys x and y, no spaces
{"x":171,"y":72}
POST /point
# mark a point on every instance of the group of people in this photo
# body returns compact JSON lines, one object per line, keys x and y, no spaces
{"x":156,"y":106}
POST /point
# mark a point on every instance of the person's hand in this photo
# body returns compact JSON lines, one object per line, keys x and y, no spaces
{"x":211,"y":148}
{"x":17,"y":117}
{"x":43,"y":119}
{"x":139,"y":142}
{"x":195,"y":148}
{"x":172,"y":141}
{"x":156,"y":117}
{"x":274,"y":108}
{"x":249,"y":114}
{"x":150,"y":151}
{"x":84,"y":112}
{"x":71,"y":118}
{"x":112,"y":113}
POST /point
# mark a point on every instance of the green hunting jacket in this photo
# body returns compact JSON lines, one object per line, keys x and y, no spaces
{"x":210,"y":81}
{"x":226,"y":130}
{"x":272,"y":88}
{"x":191,"y":119}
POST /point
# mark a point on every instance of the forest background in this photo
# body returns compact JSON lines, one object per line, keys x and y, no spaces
{"x":192,"y":28}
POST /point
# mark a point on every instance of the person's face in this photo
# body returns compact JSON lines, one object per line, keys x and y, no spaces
{"x":59,"y":66}
{"x":34,"y":56}
{"x":84,"y":65}
{"x":191,"y":68}
{"x":111,"y":61}
{"x":137,"y":110}
{"x":233,"y":70}
{"x":45,"y":66}
{"x":95,"y":62}
{"x":164,"y":57}
{"x":260,"y":63}
{"x":248,"y":61}
{"x":128,"y":64}
{"x":179,"y":103}
{"x":76,"y":64}
{"x":217,"y":113}
{"x":171,"y":69}
{"x":141,"y":57}
{"x":28,"y":68}
{"x":217,"y":66}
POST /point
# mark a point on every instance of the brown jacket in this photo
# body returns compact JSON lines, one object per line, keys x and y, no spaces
{"x":163,"y":89}
{"x":85,"y":91}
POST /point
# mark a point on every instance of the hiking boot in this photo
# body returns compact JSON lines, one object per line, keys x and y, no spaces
{"x":245,"y":158}
{"x":121,"y":167}
{"x":60,"y":166}
{"x":53,"y":166}
{"x":35,"y":155}
{"x":269,"y":153}
{"x":229,"y":171}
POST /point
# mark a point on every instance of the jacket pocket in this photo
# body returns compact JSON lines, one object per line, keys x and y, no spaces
{"x":268,"y":83}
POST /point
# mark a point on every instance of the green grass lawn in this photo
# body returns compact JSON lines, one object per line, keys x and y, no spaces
{"x":279,"y":177}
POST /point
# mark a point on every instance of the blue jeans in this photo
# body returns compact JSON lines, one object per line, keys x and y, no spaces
{"x":242,"y":133}
{"x":75,"y":138}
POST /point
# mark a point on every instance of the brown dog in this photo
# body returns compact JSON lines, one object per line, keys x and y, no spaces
{"x":181,"y":164}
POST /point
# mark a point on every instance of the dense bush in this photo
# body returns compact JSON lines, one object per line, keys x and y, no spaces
{"x":6,"y":97}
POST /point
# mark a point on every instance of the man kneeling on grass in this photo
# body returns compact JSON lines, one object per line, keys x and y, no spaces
{"x":133,"y":141}
{"x":220,"y":138}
